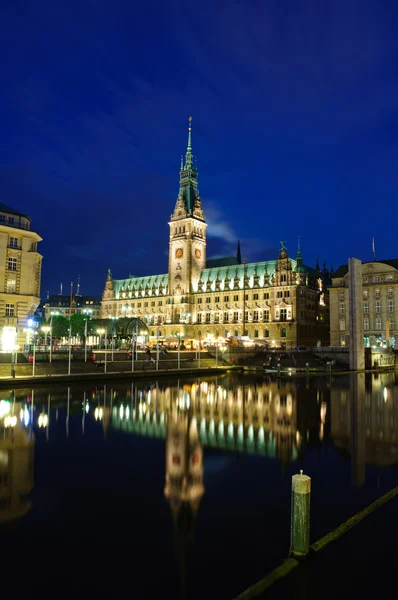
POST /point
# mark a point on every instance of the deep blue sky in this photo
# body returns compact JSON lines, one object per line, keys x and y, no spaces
{"x":295,"y":108}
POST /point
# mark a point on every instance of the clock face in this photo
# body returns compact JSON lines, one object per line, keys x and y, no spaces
{"x":179,"y":253}
{"x":198,"y":253}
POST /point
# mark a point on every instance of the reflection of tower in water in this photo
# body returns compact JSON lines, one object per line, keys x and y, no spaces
{"x":184,"y":482}
{"x":16,"y":463}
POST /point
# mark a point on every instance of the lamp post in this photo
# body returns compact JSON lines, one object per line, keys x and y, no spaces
{"x":45,"y":329}
{"x":51,"y":338}
{"x":244,"y":297}
{"x":199,"y":336}
{"x":70,"y":348}
{"x":100,"y":332}
{"x":87,"y":312}
{"x":106,"y":348}
{"x":157,"y":350}
{"x":178,"y":355}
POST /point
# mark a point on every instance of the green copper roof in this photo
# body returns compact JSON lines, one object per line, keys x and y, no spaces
{"x":227,"y":261}
{"x":152,"y":283}
{"x":135,"y":284}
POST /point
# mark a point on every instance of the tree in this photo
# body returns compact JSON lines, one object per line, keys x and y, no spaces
{"x":60,"y":327}
{"x":78,"y":323}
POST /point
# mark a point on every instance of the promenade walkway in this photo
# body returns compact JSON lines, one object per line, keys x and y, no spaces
{"x":360,"y":564}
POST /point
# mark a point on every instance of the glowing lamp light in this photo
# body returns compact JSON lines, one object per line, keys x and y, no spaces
{"x":10,"y":421}
{"x":42,"y":421}
{"x":8,"y":338}
{"x":98,"y":414}
{"x":5,"y":408}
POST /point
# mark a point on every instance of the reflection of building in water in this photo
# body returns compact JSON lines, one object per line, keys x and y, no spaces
{"x":184,"y":481}
{"x":364,"y":421}
{"x":259,"y":418}
{"x":16,"y":462}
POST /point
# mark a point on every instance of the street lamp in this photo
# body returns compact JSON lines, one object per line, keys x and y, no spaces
{"x":46,"y":329}
{"x":244,"y":296}
{"x":100,"y":332}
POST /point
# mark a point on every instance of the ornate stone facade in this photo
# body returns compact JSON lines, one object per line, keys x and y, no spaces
{"x":281,"y":301}
{"x":20,"y":274}
{"x":379,"y":304}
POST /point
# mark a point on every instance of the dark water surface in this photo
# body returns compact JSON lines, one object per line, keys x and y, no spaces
{"x":181,"y":489}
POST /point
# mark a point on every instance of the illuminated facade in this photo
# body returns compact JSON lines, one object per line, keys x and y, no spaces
{"x":260,"y":420}
{"x":60,"y":304}
{"x":20,"y":274}
{"x":364,"y":422}
{"x":281,"y":301}
{"x":380,"y":310}
{"x":16,"y":463}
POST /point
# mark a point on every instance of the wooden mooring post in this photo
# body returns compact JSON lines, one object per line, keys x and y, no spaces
{"x":300,"y":516}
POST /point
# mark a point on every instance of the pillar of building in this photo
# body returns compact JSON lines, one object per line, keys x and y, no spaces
{"x":357,"y":348}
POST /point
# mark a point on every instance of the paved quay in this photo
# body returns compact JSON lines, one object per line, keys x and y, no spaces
{"x":360,"y":563}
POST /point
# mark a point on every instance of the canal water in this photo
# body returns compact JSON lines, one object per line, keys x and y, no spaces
{"x":181,"y":489}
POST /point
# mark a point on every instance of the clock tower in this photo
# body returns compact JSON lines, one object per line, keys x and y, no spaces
{"x":187,"y":242}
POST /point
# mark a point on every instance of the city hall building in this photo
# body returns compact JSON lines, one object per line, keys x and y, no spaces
{"x":281,"y":302}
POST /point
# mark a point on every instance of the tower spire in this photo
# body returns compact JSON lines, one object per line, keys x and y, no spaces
{"x":299,"y":258}
{"x":188,"y":155}
{"x":238,"y":255}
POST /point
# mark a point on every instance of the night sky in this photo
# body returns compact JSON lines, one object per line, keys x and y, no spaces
{"x":295,"y":126}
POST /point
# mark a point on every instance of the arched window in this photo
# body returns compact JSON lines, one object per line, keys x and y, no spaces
{"x":266,"y":333}
{"x":283,"y":332}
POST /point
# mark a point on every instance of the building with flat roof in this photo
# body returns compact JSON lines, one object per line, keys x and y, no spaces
{"x":20,"y":274}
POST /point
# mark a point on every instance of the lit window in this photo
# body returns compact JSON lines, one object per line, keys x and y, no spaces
{"x":12,"y":264}
{"x":10,"y":310}
{"x":365,"y":294}
{"x":11,"y":286}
